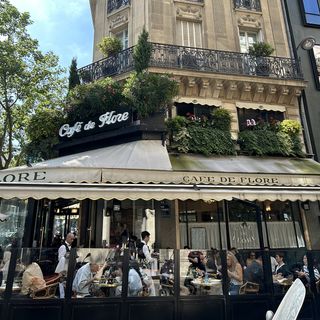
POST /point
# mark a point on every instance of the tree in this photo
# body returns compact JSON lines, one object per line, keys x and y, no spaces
{"x":142,"y":52}
{"x":74,"y":79}
{"x":29,"y":81}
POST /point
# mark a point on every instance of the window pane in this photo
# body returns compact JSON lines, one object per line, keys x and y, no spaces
{"x":311,"y":6}
{"x":200,"y":272}
{"x":313,"y":19}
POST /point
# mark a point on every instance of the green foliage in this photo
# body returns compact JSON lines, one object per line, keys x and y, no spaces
{"x":142,"y":52}
{"x":291,"y":127}
{"x":177,"y":123}
{"x":29,"y":81}
{"x":261,"y":49}
{"x":150,"y":93}
{"x":201,"y":136}
{"x":110,"y":46}
{"x":181,"y":140}
{"x":86,"y":101}
{"x":42,"y":131}
{"x":74,"y":79}
{"x":210,"y":141}
{"x":269,"y":142}
{"x":221,"y":119}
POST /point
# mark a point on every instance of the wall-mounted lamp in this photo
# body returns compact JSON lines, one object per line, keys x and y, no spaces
{"x":306,"y":205}
{"x":267,"y":205}
{"x":307,"y":43}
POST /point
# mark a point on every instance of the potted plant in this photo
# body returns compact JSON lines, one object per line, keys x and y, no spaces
{"x":259,"y":51}
{"x":110,"y":47}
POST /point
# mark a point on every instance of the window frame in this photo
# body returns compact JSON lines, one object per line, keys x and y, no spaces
{"x":248,"y":31}
{"x":304,"y":15}
{"x":313,"y":61}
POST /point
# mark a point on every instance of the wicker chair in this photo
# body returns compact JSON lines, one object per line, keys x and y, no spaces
{"x":249,"y":287}
{"x":49,"y":290}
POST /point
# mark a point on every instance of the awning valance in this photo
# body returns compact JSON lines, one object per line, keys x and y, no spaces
{"x":260,"y":106}
{"x":158,"y":192}
{"x":201,"y":101}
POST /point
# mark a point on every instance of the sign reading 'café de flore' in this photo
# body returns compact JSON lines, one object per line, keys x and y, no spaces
{"x":108,"y":120}
{"x":101,"y":175}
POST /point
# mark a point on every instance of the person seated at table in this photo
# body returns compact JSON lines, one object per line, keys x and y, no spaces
{"x":85,"y":276}
{"x":302,"y":272}
{"x":196,"y":269}
{"x":32,"y":279}
{"x":251,"y":258}
{"x":254,"y":273}
{"x":235,"y":273}
{"x":282,"y":270}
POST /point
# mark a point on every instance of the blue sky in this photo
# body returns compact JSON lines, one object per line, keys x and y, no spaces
{"x":61,"y":26}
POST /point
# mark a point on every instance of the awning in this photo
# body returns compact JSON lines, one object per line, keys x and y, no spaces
{"x":145,"y":171}
{"x":260,"y":106}
{"x":201,"y":101}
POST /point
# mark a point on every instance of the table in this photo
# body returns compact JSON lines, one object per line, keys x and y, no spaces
{"x":109,"y":289}
{"x":214,"y":285}
{"x":15,"y":288}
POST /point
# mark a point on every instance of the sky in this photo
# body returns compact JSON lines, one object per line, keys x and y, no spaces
{"x":61,"y":26}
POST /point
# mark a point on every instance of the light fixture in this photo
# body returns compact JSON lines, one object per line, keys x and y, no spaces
{"x":307,"y":43}
{"x":267,"y":205}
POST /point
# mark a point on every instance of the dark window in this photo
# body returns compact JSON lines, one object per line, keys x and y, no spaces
{"x":311,"y":12}
{"x":249,"y":118}
{"x":197,"y":110}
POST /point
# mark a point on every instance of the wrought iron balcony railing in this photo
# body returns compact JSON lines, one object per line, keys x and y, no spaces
{"x":248,"y":4}
{"x":196,"y":59}
{"x":116,"y":4}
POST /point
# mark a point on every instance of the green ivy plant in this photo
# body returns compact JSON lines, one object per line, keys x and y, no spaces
{"x":281,"y":140}
{"x":206,"y":136}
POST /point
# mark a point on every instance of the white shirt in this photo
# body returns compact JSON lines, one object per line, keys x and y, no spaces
{"x":82,"y":277}
{"x":63,"y":261}
{"x":146,"y":252}
{"x":134,"y":283}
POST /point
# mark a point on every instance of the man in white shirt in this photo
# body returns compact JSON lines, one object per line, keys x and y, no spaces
{"x":88,"y":273}
{"x":150,"y":261}
{"x":63,"y":257}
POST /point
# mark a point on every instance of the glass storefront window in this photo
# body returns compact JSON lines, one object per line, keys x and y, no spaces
{"x":283,"y":224}
{"x":156,"y":273}
{"x":35,"y":276}
{"x":99,"y":273}
{"x":243,"y":227}
{"x":200,"y":273}
{"x":12,"y":220}
{"x":199,"y":224}
{"x":5,"y":257}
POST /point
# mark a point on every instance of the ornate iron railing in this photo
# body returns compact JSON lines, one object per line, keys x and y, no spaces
{"x":116,"y":4}
{"x":248,"y":4}
{"x":203,"y":60}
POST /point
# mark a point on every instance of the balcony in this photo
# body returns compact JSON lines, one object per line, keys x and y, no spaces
{"x":116,"y":4}
{"x":253,"y":5}
{"x":196,"y":59}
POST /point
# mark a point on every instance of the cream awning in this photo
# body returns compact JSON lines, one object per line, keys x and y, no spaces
{"x":260,"y":106}
{"x":201,"y":101}
{"x":145,"y":171}
{"x":157,"y":192}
